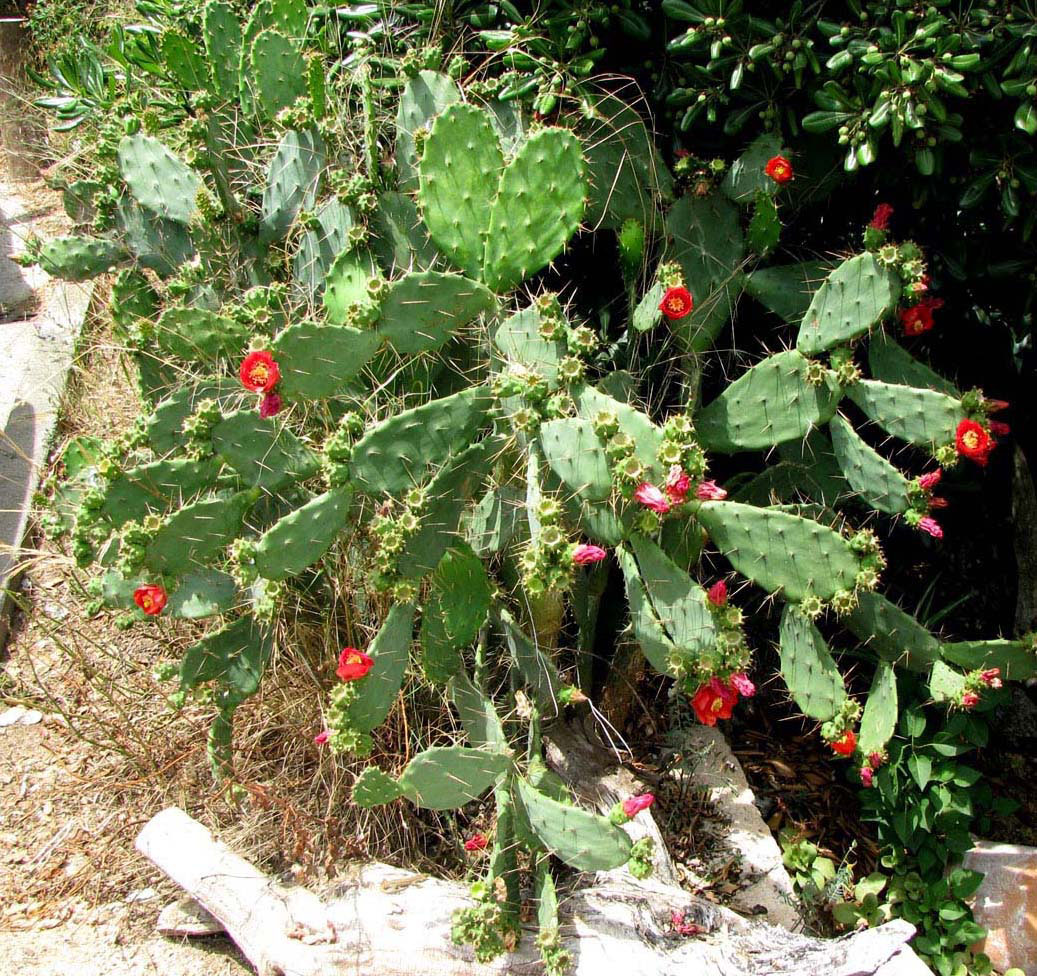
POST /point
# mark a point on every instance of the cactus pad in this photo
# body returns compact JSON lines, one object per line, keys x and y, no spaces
{"x":583,"y":840}
{"x":381,"y":685}
{"x":425,"y":96}
{"x":195,"y":334}
{"x":812,"y":677}
{"x":158,"y":180}
{"x":319,"y":361}
{"x":892,"y":363}
{"x":878,"y":483}
{"x":300,"y":538}
{"x":1016,"y":659}
{"x":278,"y":71}
{"x":655,"y":644}
{"x":79,"y":258}
{"x":263,"y":455}
{"x":222,"y":34}
{"x":574,"y":453}
{"x":893,"y":634}
{"x":397,"y":453}
{"x":879,"y":720}
{"x":292,"y":182}
{"x":855,"y":297}
{"x":771,"y":403}
{"x":236,"y":655}
{"x":918,"y":416}
{"x":196,"y":532}
{"x":424,"y":309}
{"x":781,"y":551}
{"x":448,"y":777}
{"x":374,"y":787}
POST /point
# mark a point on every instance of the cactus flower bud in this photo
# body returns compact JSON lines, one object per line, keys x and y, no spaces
{"x":927,"y":482}
{"x":995,"y":406}
{"x":930,"y":525}
{"x":151,"y":599}
{"x":717,"y":593}
{"x":867,"y":776}
{"x":321,"y":738}
{"x":651,"y":497}
{"x":969,"y":699}
{"x":779,"y":169}
{"x":353,"y":664}
{"x":880,"y":219}
{"x":259,"y":372}
{"x":991,"y":677}
{"x":584,"y":555}
{"x":477,"y":842}
{"x":633,"y":805}
{"x":710,"y":491}
{"x":999,"y":428}
{"x":269,"y":405}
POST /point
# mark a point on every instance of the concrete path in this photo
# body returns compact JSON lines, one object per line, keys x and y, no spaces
{"x":40,"y":321}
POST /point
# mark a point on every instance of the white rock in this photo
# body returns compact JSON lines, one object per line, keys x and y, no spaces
{"x":187,"y":918}
{"x":141,"y":894}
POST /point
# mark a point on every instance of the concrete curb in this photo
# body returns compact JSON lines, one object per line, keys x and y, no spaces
{"x":34,"y":366}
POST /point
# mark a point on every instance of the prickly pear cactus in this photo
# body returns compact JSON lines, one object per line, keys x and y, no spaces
{"x":351,"y":370}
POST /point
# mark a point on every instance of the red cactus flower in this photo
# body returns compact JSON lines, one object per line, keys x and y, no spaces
{"x":651,"y":497}
{"x":930,"y":525}
{"x":998,"y":428}
{"x":846,"y":744}
{"x":710,"y":491}
{"x":717,"y":594}
{"x":929,"y":481}
{"x":584,"y":555}
{"x":477,"y":842}
{"x":259,"y":372}
{"x":779,"y":169}
{"x":353,"y":664}
{"x":973,"y":442}
{"x":991,"y":677}
{"x":678,"y":484}
{"x":676,"y":303}
{"x":321,"y":738}
{"x":150,"y":598}
{"x":867,"y":776}
{"x":740,"y":682}
{"x":919,"y":318}
{"x":269,"y":405}
{"x":633,"y":805}
{"x":969,"y":699}
{"x":880,"y":219}
{"x":714,"y":700}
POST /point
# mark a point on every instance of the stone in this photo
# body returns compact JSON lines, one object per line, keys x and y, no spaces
{"x":1006,"y":902}
{"x":186,"y":918}
{"x":765,"y":882}
{"x":20,"y":715}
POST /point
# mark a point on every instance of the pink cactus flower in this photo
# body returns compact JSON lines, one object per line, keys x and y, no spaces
{"x":678,"y":484}
{"x":969,"y":699}
{"x":321,"y":738}
{"x":710,"y":491}
{"x":867,"y":776}
{"x":584,"y":555}
{"x":741,"y":683}
{"x":651,"y":497}
{"x":931,"y":526}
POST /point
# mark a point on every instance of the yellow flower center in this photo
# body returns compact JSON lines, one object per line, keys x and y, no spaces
{"x":718,"y":704}
{"x":970,"y":439}
{"x":259,"y":373}
{"x":676,"y":304}
{"x":147,"y":601}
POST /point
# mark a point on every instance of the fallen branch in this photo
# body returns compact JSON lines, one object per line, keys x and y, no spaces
{"x":389,"y":921}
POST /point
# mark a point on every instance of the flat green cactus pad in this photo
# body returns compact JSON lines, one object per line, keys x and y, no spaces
{"x":379,"y":688}
{"x":893,"y":634}
{"x":878,"y":483}
{"x":158,"y":180}
{"x":448,"y":777}
{"x":918,"y":416}
{"x":300,"y":538}
{"x":318,"y":361}
{"x":812,"y":677}
{"x":879,"y":720}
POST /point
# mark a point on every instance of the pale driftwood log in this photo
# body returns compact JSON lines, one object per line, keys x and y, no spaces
{"x":391,"y":922}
